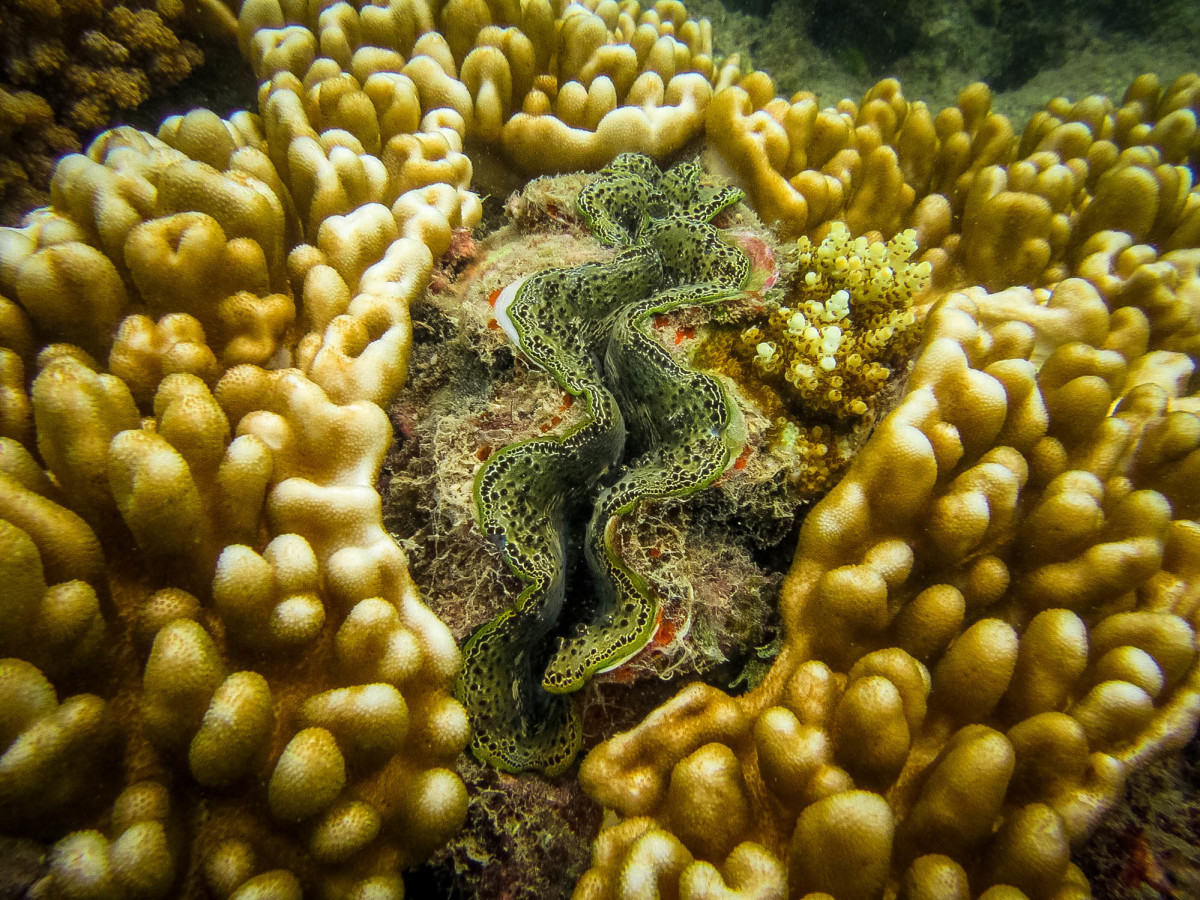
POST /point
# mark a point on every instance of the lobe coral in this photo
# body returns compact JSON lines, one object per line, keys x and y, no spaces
{"x":218,"y":676}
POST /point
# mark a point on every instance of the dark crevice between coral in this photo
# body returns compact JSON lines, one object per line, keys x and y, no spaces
{"x":223,"y":83}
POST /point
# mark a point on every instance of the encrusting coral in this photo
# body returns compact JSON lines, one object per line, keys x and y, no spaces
{"x":218,"y":675}
{"x":819,"y":359}
{"x":825,"y":353}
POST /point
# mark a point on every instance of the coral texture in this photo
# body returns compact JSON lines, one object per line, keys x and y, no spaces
{"x":827,"y":350}
{"x":559,"y":87}
{"x":990,"y":620}
{"x":828,"y":353}
{"x":192,"y":532}
{"x":218,"y":677}
{"x":68,"y":67}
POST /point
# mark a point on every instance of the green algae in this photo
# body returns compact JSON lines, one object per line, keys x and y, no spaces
{"x":589,"y":327}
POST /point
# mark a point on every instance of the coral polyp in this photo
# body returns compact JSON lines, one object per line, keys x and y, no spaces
{"x":845,"y":327}
{"x":819,"y":355}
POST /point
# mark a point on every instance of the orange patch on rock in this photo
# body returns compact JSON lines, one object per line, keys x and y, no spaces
{"x":667,"y":629}
{"x":741,"y":461}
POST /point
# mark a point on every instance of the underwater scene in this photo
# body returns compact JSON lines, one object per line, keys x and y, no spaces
{"x":599,"y":449}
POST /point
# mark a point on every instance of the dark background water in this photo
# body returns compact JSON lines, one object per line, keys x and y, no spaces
{"x":1028,"y":51}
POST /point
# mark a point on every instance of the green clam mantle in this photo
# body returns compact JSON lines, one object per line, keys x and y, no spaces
{"x":589,"y":327}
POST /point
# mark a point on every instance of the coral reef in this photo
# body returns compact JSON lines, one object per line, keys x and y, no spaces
{"x":957,"y":700}
{"x":987,"y":209}
{"x":218,"y":678}
{"x":557,"y":87}
{"x":468,"y":394}
{"x":1008,"y":670}
{"x":570,"y":322}
{"x":209,"y":631}
{"x":68,"y":67}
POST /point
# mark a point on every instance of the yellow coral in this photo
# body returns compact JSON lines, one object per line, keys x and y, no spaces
{"x":1025,"y":588}
{"x":1000,"y":210}
{"x":834,"y":334}
{"x":989,"y":621}
{"x":849,"y":315}
{"x":204,"y":441}
{"x":557,"y":89}
{"x":77,"y":67}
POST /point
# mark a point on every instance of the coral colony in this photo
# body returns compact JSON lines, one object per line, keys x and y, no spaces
{"x":968,"y":353}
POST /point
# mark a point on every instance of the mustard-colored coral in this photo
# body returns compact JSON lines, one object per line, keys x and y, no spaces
{"x":989,"y":622}
{"x":816,"y":362}
{"x":68,"y":68}
{"x":989,"y":206}
{"x":850,"y":314}
{"x":184,"y":403}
